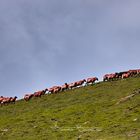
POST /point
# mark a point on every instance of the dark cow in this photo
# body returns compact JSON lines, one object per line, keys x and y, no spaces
{"x":64,"y":87}
{"x":12,"y":100}
{"x":132,"y":72}
{"x":119,"y":74}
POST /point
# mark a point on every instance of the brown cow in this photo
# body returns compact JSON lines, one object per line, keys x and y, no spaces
{"x":72,"y":85}
{"x":54,"y":89}
{"x":27,"y":97}
{"x":126,"y":75}
{"x":1,"y":98}
{"x":91,"y":80}
{"x":80,"y":83}
{"x":108,"y":77}
{"x":39,"y":93}
{"x":6,"y":100}
{"x":57,"y":89}
{"x":50,"y":90}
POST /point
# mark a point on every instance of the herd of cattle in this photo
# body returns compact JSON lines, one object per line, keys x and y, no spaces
{"x":121,"y":75}
{"x":66,"y":86}
{"x":57,"y":89}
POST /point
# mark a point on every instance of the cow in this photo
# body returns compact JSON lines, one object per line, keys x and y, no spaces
{"x":57,"y":89}
{"x":27,"y":97}
{"x":54,"y":89}
{"x":126,"y":75}
{"x":50,"y":90}
{"x":80,"y":83}
{"x":5,"y":100}
{"x":91,"y":80}
{"x":138,"y":71}
{"x":72,"y":85}
{"x":12,"y":100}
{"x":64,"y":87}
{"x":39,"y":93}
{"x":1,"y":98}
{"x":132,"y":72}
{"x":105,"y":77}
{"x":119,"y":74}
{"x":108,"y":77}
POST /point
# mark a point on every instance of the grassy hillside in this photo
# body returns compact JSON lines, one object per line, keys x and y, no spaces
{"x":87,"y":113}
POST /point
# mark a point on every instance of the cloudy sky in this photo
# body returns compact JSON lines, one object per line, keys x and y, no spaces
{"x":50,"y":42}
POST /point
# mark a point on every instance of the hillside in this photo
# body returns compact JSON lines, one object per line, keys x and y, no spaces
{"x":87,"y":113}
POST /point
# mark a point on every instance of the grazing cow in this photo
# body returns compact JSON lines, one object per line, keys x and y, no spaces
{"x":91,"y":80}
{"x":27,"y":97}
{"x":64,"y":87}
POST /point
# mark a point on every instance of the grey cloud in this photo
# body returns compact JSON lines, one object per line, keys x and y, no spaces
{"x":43,"y":43}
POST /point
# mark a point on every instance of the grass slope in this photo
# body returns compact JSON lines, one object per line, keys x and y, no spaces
{"x":87,"y":113}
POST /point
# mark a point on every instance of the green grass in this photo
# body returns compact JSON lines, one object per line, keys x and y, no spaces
{"x":87,"y":113}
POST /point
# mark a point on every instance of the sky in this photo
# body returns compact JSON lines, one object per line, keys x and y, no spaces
{"x":49,"y":42}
